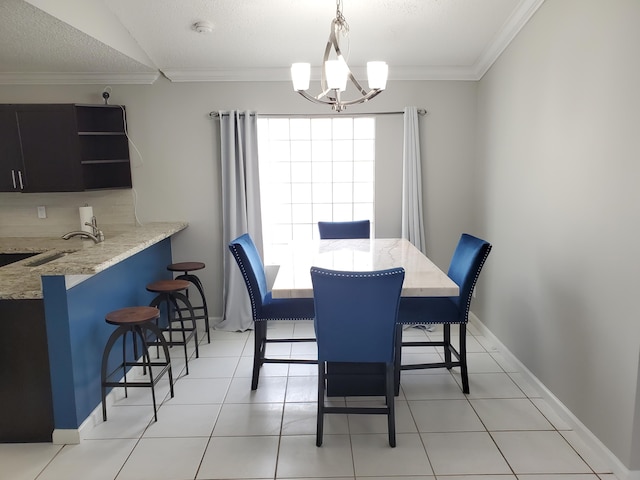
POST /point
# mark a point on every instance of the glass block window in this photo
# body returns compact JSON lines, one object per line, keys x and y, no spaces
{"x":313,"y":169}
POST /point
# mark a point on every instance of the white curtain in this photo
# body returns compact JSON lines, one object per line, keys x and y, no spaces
{"x":412,"y":219}
{"x":240,"y":209}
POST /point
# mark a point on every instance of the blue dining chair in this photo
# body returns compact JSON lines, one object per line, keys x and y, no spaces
{"x":464,"y":269}
{"x":265,"y":308}
{"x":338,"y":230}
{"x":355,"y":322}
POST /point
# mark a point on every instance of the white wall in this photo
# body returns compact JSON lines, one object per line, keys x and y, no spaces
{"x":559,"y":168}
{"x":177,"y":175}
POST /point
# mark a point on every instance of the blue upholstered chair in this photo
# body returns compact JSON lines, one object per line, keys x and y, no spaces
{"x":355,"y":322}
{"x":265,"y":308}
{"x":356,"y":229}
{"x":464,"y":269}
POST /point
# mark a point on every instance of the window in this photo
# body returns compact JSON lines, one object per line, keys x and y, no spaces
{"x":313,"y":169}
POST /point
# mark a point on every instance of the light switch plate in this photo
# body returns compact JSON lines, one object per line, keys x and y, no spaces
{"x":42,"y":212}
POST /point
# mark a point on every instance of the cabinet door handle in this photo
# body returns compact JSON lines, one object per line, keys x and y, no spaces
{"x":13,"y":177}
{"x":20,"y":178}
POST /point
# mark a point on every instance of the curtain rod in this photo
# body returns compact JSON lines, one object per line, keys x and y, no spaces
{"x":421,"y":111}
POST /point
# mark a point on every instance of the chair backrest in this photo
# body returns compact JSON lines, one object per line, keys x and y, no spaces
{"x":464,"y":269}
{"x":252,"y":268}
{"x":355,"y":229}
{"x":356,"y":314}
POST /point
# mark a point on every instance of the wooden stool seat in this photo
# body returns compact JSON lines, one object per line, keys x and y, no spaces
{"x":185,"y":266}
{"x":167,"y":286}
{"x":139,"y":323}
{"x":132,"y":315}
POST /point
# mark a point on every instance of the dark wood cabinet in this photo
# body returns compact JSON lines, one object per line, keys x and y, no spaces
{"x":27,"y":407}
{"x":104,"y":146}
{"x":63,"y":148}
{"x":49,"y":145}
{"x":10,"y":156}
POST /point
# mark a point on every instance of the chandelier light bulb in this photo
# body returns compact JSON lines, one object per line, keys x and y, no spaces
{"x":337,"y":74}
{"x":300,"y":76}
{"x":377,"y":73}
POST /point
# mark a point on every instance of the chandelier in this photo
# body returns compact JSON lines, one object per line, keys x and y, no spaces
{"x":336,"y":72}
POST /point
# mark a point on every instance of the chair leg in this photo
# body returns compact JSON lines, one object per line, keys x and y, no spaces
{"x":259,"y":336}
{"x":397,"y":362}
{"x":391,"y":415}
{"x":320,"y":415}
{"x":446,"y":334}
{"x":463,"y":358}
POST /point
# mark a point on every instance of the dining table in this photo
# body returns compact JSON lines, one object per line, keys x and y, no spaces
{"x":423,"y":278}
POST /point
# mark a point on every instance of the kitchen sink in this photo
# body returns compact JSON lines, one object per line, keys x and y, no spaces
{"x":9,"y":258}
{"x":46,"y":259}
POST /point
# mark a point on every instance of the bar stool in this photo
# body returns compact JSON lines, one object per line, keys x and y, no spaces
{"x":169,"y":294}
{"x":138,"y":321}
{"x":187,"y":268}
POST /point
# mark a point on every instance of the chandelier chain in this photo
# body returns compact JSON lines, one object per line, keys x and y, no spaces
{"x":341,"y":22}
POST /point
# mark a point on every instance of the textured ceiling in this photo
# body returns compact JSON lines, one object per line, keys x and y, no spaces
{"x":133,"y":41}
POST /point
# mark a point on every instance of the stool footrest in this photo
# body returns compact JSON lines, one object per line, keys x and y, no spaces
{"x":136,"y":383}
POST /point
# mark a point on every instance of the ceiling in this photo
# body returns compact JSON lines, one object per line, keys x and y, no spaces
{"x":136,"y":41}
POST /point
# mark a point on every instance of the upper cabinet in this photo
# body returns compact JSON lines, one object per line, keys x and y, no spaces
{"x":104,"y":146}
{"x":63,"y":148}
{"x":10,"y":155}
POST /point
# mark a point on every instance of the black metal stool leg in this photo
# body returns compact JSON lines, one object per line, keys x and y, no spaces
{"x":165,"y":348}
{"x":182,"y":329}
{"x":103,"y":371}
{"x":184,"y":299}
{"x":195,"y":280}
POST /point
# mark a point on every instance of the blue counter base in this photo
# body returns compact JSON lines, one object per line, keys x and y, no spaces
{"x":77,"y":331}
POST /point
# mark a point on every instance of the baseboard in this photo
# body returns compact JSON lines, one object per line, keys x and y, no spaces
{"x":71,"y":436}
{"x":66,"y":436}
{"x":617,"y":467}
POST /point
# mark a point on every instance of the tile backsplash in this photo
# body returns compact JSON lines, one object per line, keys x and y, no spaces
{"x":113,"y":210}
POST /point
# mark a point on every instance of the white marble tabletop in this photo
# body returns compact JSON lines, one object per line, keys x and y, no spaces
{"x":422,"y":277}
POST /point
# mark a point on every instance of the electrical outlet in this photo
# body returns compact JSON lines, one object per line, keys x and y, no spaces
{"x":42,"y":212}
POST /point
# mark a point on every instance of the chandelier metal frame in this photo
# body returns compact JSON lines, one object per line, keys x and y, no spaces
{"x":332,"y":96}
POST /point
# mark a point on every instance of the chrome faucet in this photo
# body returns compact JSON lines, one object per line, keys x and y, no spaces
{"x":97,"y":236}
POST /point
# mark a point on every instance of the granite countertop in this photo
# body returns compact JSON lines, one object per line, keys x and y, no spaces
{"x":75,"y":256}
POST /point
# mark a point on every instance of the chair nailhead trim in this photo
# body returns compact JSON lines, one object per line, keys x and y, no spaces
{"x":357,"y":275}
{"x":234,"y":250}
{"x":473,"y":285}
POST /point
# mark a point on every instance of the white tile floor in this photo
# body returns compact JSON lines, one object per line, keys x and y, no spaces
{"x":217,"y":428}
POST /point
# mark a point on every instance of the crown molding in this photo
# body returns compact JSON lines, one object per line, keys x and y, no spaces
{"x":284,"y":75}
{"x":512,"y":27}
{"x":46,"y":78}
{"x":227,"y":75}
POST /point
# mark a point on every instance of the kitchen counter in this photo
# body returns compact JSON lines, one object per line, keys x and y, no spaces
{"x":52,"y":310}
{"x":19,"y":281}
